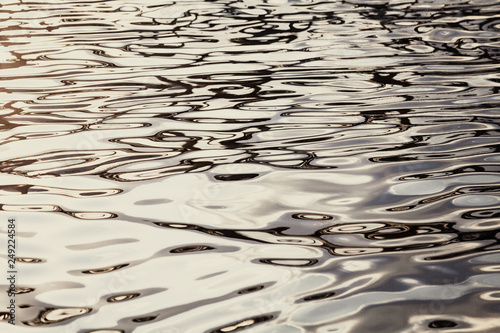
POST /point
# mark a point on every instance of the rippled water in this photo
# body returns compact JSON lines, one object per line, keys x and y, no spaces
{"x":261,"y":166}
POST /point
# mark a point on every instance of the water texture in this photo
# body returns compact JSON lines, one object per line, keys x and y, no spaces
{"x":260,"y":166}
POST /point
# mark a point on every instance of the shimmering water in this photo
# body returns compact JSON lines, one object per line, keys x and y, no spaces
{"x":261,"y":166}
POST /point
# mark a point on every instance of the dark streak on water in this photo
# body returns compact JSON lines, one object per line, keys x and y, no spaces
{"x":259,"y":166}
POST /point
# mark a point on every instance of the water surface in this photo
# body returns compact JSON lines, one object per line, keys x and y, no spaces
{"x":260,"y":166}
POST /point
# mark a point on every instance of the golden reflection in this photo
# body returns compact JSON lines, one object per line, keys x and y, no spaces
{"x":491,"y":296}
{"x":124,"y":297}
{"x":28,"y":260}
{"x":244,"y":323}
{"x":4,"y":316}
{"x":491,"y":268}
{"x":23,"y":290}
{"x":439,"y":197}
{"x":104,"y":269}
{"x":52,"y":316}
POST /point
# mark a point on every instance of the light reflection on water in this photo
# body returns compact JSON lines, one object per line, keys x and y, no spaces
{"x":258,"y":166}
